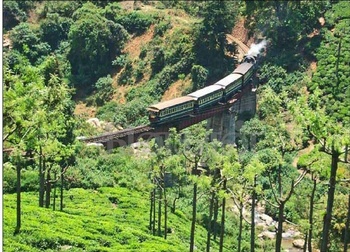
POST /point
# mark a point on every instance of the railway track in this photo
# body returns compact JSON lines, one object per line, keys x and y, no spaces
{"x":116,"y":135}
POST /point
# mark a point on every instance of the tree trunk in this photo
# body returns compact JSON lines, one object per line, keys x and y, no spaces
{"x":154,"y":212}
{"x":151,"y":211}
{"x":252,"y":227}
{"x":240,"y":226}
{"x":222,"y":231}
{"x":159,"y":212}
{"x":209,"y":223}
{"x":48,"y":189}
{"x":312,"y":200}
{"x":18,"y":187}
{"x":61,"y":197}
{"x":194,"y":212}
{"x":165,"y":215}
{"x":174,"y":201}
{"x":280,"y":227}
{"x":54,"y":193}
{"x":41,"y":179}
{"x":215,"y":219}
{"x":346,"y":235}
{"x":330,"y":201}
{"x":305,"y":243}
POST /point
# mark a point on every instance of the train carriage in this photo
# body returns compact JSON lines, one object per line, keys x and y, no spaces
{"x":245,"y":69}
{"x":171,"y":110}
{"x":206,"y":96}
{"x":231,"y":84}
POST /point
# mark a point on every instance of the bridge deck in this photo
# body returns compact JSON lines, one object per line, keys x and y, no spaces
{"x":147,"y":132}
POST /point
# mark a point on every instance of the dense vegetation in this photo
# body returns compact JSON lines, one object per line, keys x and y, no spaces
{"x":292,"y":158}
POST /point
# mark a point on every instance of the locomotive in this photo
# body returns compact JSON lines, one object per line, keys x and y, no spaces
{"x":202,"y":99}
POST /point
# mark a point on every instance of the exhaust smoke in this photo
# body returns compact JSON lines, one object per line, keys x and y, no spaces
{"x":255,"y":49}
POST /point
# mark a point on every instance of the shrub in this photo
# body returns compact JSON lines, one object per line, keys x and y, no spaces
{"x":135,"y":22}
{"x":162,"y":27}
{"x":9,"y":178}
{"x":104,"y":90}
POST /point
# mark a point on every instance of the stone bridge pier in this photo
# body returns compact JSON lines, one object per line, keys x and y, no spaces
{"x":227,"y":124}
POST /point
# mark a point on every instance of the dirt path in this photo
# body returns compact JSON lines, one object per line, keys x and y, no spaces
{"x":242,"y":48}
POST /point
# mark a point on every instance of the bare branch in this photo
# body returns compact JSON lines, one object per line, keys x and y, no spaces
{"x":270,"y":203}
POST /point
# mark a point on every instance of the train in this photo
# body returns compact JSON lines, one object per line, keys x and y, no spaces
{"x":199,"y":101}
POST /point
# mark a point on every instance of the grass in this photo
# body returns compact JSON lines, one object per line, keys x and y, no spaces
{"x":107,"y":219}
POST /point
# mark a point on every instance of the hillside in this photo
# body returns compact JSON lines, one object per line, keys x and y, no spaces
{"x":284,"y":181}
{"x":106,"y":219}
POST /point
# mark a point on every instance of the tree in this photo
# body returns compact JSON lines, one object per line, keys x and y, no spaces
{"x":95,"y":42}
{"x":277,"y":142}
{"x":210,"y":38}
{"x":332,"y":138}
{"x":286,"y":25}
{"x":313,"y":162}
{"x":21,"y":94}
{"x":199,"y":76}
{"x":54,"y":29}
{"x":195,"y":150}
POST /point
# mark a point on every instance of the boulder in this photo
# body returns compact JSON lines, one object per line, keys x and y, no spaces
{"x":94,"y":122}
{"x":267,"y":235}
{"x":298,"y":243}
{"x":268,"y":220}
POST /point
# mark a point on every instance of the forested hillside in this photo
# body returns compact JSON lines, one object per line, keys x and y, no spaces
{"x":289,"y":173}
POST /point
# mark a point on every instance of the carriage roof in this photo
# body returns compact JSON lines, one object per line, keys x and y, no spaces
{"x":243,"y":68}
{"x":229,"y":79}
{"x":170,"y":103}
{"x":205,"y":91}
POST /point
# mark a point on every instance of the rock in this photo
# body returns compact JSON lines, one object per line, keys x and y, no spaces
{"x":298,"y":243}
{"x":266,"y":218}
{"x":95,"y":144}
{"x":291,"y":233}
{"x":94,"y":122}
{"x":267,"y":235}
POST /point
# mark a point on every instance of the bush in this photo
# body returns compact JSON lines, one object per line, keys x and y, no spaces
{"x":162,"y":27}
{"x":135,"y":22}
{"x":9,"y":178}
{"x":104,"y":90}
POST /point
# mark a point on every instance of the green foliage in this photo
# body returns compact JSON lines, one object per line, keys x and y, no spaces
{"x":95,"y":42}
{"x":161,"y":27}
{"x":278,"y":78}
{"x":104,"y":91}
{"x":13,"y":14}
{"x":333,"y":73}
{"x":62,"y":8}
{"x":135,"y":22}
{"x":199,"y":76}
{"x":286,"y":26}
{"x":107,"y":219}
{"x":54,"y":29}
{"x":9,"y":178}
{"x":158,"y":61}
{"x":26,"y":40}
{"x":210,"y":38}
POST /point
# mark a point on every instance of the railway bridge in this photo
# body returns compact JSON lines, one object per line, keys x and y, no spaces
{"x":224,"y":119}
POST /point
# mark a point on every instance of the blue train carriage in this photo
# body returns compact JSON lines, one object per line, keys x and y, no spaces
{"x":232,"y":83}
{"x":206,"y":96}
{"x":246,"y":70}
{"x":170,"y":110}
